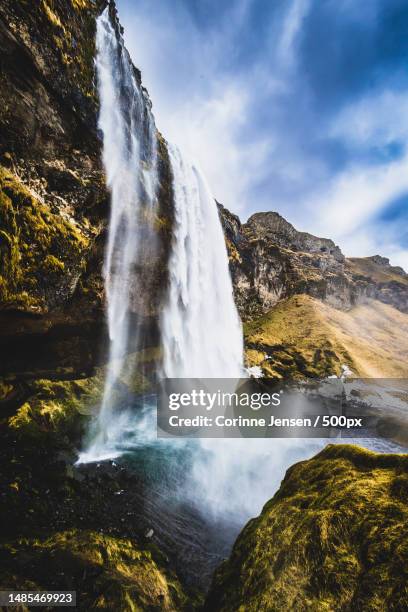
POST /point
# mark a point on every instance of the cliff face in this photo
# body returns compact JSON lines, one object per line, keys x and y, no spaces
{"x":308,"y":311}
{"x":270,"y":261}
{"x":334,"y":537}
{"x":54,"y":203}
{"x":53,"y":200}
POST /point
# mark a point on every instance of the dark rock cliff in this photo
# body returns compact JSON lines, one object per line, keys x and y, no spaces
{"x":53,"y":200}
{"x":270,"y":261}
{"x":53,"y":197}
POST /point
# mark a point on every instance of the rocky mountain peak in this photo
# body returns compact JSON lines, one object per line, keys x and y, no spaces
{"x":384,"y":262}
{"x":274,"y":227}
{"x":270,"y":260}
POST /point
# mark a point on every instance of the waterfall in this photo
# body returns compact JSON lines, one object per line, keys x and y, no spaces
{"x":201,"y":329}
{"x":130,"y":162}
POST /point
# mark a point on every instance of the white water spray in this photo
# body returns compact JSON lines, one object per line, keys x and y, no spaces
{"x":201,"y":329}
{"x":202,"y":338}
{"x":130,"y":161}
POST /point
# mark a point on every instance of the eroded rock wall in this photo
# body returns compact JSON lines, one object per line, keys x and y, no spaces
{"x":54,"y":204}
{"x":270,"y":261}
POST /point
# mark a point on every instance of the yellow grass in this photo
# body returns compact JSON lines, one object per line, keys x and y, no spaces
{"x":371,"y":338}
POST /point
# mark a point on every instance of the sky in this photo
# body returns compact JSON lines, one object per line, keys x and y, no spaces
{"x":296,"y":106}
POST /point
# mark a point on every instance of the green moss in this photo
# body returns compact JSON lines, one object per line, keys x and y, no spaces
{"x":67,"y":28}
{"x":293,"y":341}
{"x":233,"y":253}
{"x":58,"y":407}
{"x":34,"y":242}
{"x":334,"y":537}
{"x":110,"y":573}
{"x":51,"y":15}
{"x":62,"y":407}
{"x":5,"y":388}
{"x":53,"y":264}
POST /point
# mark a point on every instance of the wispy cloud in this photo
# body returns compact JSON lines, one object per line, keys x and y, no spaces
{"x":291,"y":105}
{"x":375,"y":121}
{"x":348,"y":210}
{"x":292,"y":23}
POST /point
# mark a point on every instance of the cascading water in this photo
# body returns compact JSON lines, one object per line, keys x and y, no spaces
{"x":130,"y":161}
{"x":196,"y":494}
{"x":201,"y":329}
{"x":202,"y":338}
{"x":228,"y":480}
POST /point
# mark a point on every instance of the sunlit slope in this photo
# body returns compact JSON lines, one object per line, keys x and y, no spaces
{"x":333,"y":538}
{"x":370,"y":268}
{"x":302,"y":336}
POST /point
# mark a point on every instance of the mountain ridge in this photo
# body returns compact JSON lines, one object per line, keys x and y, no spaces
{"x":270,"y":260}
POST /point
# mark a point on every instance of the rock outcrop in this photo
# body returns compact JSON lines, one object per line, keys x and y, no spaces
{"x":82,"y":529}
{"x":53,"y":199}
{"x":54,"y":204}
{"x":107,"y":573}
{"x":334,"y":537}
{"x":270,"y":261}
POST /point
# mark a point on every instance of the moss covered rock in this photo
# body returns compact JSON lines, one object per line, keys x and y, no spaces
{"x":108,"y":573}
{"x":270,"y":260}
{"x":54,"y":204}
{"x":53,"y":198}
{"x":75,"y":528}
{"x":334,"y":537}
{"x":42,"y":253}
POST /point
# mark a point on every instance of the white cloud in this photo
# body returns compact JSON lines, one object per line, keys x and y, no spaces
{"x":291,"y":26}
{"x":355,"y":196}
{"x":346,"y":210}
{"x":196,"y":104}
{"x":210,"y":113}
{"x":206,"y":130}
{"x":376,"y":120}
{"x":371,"y":240}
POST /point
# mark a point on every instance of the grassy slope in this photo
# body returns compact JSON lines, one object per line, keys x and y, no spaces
{"x":110,"y":573}
{"x":379,"y":274}
{"x":304,"y":336}
{"x":334,"y":537}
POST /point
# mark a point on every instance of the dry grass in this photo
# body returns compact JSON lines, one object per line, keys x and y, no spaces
{"x":379,"y":274}
{"x":334,"y":537}
{"x":372,"y":339}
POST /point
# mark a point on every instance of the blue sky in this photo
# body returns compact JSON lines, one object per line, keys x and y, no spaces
{"x":297,"y":106}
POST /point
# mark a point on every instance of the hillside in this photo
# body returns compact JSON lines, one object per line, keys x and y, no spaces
{"x":309,"y":310}
{"x":303,"y":336}
{"x":334,"y":537}
{"x":270,"y":260}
